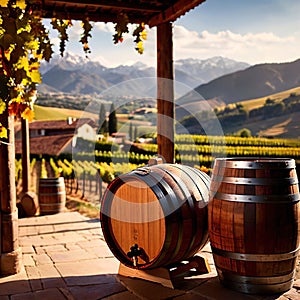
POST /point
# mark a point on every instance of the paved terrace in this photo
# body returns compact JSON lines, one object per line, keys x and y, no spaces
{"x":66,"y":257}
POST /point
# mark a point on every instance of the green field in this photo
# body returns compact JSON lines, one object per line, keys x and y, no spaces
{"x":54,"y":113}
{"x":255,"y":103}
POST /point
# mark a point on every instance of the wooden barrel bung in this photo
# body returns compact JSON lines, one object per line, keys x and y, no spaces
{"x":253,"y":219}
{"x":156,"y":215}
{"x":52,"y":195}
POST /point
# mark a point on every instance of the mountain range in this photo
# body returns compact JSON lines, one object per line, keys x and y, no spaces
{"x":218,"y":80}
{"x":253,"y":82}
{"x":78,"y":75}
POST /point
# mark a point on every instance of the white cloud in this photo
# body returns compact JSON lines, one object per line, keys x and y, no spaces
{"x":104,"y":27}
{"x":250,"y":47}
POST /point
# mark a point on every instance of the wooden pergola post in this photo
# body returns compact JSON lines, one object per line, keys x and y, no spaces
{"x":25,"y":156}
{"x":165,"y":92}
{"x":10,"y":253}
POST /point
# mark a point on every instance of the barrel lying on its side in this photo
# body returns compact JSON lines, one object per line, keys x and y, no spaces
{"x":156,"y":215}
{"x":253,"y":216}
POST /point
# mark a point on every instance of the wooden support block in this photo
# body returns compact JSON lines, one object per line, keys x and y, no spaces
{"x":158,"y":275}
{"x":197,"y":262}
{"x":164,"y":275}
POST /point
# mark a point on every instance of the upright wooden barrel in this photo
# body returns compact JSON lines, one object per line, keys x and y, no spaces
{"x":156,"y":215}
{"x":52,"y":195}
{"x":253,"y":217}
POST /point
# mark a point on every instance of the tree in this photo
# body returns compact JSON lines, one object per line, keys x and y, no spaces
{"x":130,"y":131}
{"x":103,"y":126}
{"x":135,"y":133}
{"x":245,"y":132}
{"x":112,"y":120}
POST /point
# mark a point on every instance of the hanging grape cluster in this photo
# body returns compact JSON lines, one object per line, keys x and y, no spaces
{"x":121,"y":27}
{"x":140,"y":35}
{"x":87,"y":28}
{"x":61,"y":26}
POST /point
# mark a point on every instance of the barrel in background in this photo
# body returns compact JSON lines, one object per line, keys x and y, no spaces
{"x":253,"y":217}
{"x":52,"y":195}
{"x":156,"y":215}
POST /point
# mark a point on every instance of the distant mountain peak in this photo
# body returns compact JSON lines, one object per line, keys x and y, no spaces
{"x":94,"y":77}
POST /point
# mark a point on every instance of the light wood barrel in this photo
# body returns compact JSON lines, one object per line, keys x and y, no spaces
{"x":253,"y":217}
{"x":52,"y":195}
{"x":156,"y":215}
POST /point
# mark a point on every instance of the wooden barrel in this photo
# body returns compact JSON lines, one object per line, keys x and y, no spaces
{"x":30,"y":203}
{"x":253,"y":219}
{"x":52,"y":195}
{"x":156,"y":215}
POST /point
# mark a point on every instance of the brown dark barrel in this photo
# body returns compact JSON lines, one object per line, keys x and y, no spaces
{"x":29,"y":202}
{"x":253,"y":217}
{"x":52,"y":195}
{"x":156,"y":213}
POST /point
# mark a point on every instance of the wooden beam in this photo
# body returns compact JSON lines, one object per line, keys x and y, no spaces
{"x":149,"y":12}
{"x":120,"y":5}
{"x":174,"y":11}
{"x":165,"y":92}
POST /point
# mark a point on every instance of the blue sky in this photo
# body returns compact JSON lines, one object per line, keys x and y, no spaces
{"x":255,"y":31}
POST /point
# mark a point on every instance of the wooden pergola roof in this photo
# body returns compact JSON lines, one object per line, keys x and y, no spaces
{"x":151,"y":12}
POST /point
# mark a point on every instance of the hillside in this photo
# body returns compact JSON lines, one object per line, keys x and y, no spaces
{"x":276,"y":115}
{"x":254,"y":82}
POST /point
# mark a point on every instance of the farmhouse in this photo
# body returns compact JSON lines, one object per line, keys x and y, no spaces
{"x":53,"y":137}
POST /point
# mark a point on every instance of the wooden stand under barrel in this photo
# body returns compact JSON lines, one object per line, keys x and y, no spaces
{"x":165,"y":276}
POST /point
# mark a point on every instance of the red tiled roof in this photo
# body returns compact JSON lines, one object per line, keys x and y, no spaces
{"x":48,"y":145}
{"x":59,"y":124}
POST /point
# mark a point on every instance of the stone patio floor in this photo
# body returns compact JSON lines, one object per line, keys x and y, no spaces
{"x":66,"y":257}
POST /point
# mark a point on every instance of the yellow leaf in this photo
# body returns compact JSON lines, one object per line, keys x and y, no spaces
{"x":35,"y":76}
{"x":3,"y":132}
{"x":8,"y":51}
{"x":37,"y":56}
{"x":3,"y":3}
{"x":23,"y":63}
{"x":2,"y":106}
{"x":28,"y":114}
{"x":143,"y":34}
{"x":21,"y":4}
{"x":33,"y":45}
{"x":139,"y":47}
